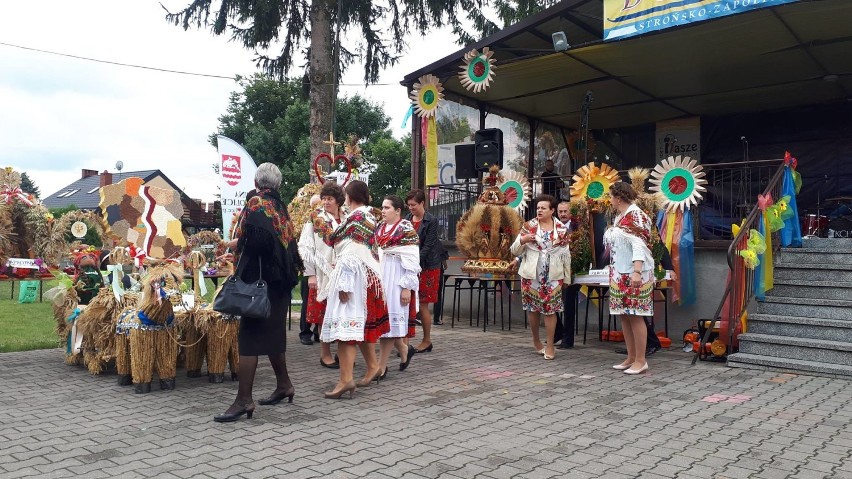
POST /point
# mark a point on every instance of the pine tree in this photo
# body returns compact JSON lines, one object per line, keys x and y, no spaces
{"x":259,"y":25}
{"x":27,"y":185}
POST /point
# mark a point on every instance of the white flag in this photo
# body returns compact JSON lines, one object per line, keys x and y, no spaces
{"x":236,"y":179}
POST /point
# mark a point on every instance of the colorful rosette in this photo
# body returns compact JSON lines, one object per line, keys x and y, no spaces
{"x":592,"y":182}
{"x":426,"y":95}
{"x":516,"y":187}
{"x":756,"y":242}
{"x":750,"y":258}
{"x":477,"y":71}
{"x":680,"y":180}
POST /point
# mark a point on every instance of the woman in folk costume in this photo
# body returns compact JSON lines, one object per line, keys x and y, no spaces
{"x":543,"y":248}
{"x":399,"y":257}
{"x":265,"y":251}
{"x":319,"y":256}
{"x":631,"y":274}
{"x":356,"y":311}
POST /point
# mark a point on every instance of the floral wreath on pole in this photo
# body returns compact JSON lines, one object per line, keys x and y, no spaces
{"x":321,"y":174}
{"x":477,"y":71}
{"x":680,"y":180}
{"x":426,"y":95}
{"x":591,"y":184}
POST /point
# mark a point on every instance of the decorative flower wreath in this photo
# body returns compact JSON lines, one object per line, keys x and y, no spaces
{"x":426,"y":95}
{"x":321,"y":175}
{"x":477,"y":71}
{"x":680,"y":180}
{"x":591,"y":184}
{"x":516,"y":187}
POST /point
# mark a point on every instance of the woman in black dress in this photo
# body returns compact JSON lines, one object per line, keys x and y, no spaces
{"x":265,"y":237}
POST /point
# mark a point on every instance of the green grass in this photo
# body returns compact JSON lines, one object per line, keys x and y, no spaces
{"x":25,"y":326}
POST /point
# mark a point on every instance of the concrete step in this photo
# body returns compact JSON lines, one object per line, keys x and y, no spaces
{"x":837,"y":243}
{"x":802,"y":349}
{"x":815,"y":255}
{"x":806,"y":307}
{"x":756,"y":361}
{"x":792,"y":288}
{"x":798,"y":327}
{"x":815,"y":271}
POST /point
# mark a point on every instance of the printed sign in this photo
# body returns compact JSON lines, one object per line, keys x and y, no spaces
{"x":236,"y":173}
{"x":627,"y":18}
{"x":679,"y":137}
{"x":22,"y":263}
{"x":231,"y":172}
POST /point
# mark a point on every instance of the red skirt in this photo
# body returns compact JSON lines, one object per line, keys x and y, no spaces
{"x":430,"y":281}
{"x":316,"y":309}
{"x":412,"y":319}
{"x":377,"y":315}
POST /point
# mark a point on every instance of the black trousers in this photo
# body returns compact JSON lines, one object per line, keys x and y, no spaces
{"x":304,"y":327}
{"x":653,"y":341}
{"x":565,"y":329}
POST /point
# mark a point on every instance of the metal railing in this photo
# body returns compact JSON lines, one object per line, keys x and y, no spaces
{"x":732,"y":190}
{"x":740,"y":289}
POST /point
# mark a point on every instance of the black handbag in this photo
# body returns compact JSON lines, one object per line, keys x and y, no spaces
{"x":249,"y":300}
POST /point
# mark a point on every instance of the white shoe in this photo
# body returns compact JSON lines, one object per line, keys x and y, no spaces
{"x":620,"y":367}
{"x":540,"y":352}
{"x":637,"y":371}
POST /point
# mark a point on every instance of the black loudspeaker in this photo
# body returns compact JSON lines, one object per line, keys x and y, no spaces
{"x":465,"y":165}
{"x":489,"y":148}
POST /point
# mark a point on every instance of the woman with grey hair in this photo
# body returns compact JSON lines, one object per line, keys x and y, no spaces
{"x":265,"y":251}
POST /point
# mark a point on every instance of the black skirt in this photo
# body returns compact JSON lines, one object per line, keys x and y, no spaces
{"x":260,"y":337}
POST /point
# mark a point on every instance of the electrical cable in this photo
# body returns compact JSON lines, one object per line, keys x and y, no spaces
{"x":164,"y":70}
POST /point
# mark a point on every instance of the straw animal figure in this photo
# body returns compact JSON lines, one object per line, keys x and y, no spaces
{"x":195,"y":344}
{"x":150,"y":327}
{"x":221,"y":332}
{"x":97,"y":322}
{"x":65,"y":305}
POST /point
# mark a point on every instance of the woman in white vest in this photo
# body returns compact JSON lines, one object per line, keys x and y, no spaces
{"x":319,"y":256}
{"x":631,"y":274}
{"x":542,"y":246}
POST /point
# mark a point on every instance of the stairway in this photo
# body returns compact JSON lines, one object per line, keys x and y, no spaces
{"x":805,"y":323}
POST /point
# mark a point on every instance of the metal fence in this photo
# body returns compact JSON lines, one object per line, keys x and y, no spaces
{"x":732,"y":190}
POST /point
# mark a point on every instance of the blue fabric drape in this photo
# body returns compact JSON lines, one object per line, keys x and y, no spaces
{"x":687,"y":261}
{"x":791,"y":233}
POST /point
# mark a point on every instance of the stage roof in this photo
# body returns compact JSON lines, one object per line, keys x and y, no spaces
{"x":767,"y":59}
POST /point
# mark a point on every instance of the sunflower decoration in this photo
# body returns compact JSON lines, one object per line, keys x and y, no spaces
{"x":426,"y":95}
{"x":516,"y":187}
{"x":591,"y":184}
{"x":477,"y":71}
{"x":681,"y":181}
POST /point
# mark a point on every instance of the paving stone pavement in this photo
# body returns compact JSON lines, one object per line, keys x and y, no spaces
{"x":480,"y":405}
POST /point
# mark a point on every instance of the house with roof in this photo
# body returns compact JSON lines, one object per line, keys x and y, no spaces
{"x":83,"y":194}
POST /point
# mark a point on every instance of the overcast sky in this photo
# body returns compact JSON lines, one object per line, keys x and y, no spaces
{"x":59,"y":115}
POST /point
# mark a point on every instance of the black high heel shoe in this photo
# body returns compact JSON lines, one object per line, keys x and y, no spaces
{"x":334,"y":365}
{"x":411,"y":352}
{"x":277,"y":398}
{"x":248,"y":410}
{"x":382,"y":377}
{"x":427,"y":349}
